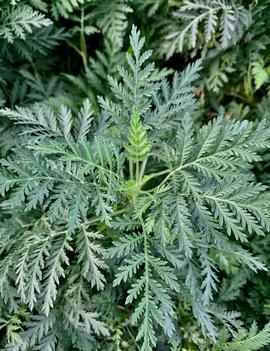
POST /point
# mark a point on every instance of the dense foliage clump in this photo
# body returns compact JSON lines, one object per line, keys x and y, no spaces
{"x":135,"y":207}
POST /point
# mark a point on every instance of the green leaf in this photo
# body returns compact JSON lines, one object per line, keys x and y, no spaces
{"x":138,"y":147}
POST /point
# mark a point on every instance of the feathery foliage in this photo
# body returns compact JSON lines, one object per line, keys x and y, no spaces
{"x":226,"y":22}
{"x":163,"y":209}
{"x":134,"y":197}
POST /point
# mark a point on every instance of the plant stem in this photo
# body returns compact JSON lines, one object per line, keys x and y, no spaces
{"x":146,"y":291}
{"x":83,"y":46}
{"x":142,"y":170}
{"x":155,"y":175}
{"x":137,"y":171}
{"x":97,"y":219}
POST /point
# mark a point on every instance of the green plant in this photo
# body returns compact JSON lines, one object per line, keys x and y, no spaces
{"x":154,"y":216}
{"x":225,"y":22}
{"x":251,"y":340}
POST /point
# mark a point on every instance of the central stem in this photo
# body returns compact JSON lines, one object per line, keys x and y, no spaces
{"x":137,"y":171}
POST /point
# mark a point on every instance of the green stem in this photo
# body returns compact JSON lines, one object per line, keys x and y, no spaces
{"x":73,"y":46}
{"x":181,"y":167}
{"x":146,"y":271}
{"x":142,"y":170}
{"x":158,"y":174}
{"x":83,"y":46}
{"x":97,"y":219}
{"x":248,"y":85}
{"x":82,"y":51}
{"x":133,"y":338}
{"x":137,"y":171}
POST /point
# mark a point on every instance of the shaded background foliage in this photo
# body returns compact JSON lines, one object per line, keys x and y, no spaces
{"x":62,"y":51}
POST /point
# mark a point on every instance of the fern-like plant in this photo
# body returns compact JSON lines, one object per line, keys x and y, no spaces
{"x":221,"y":20}
{"x":134,"y":202}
